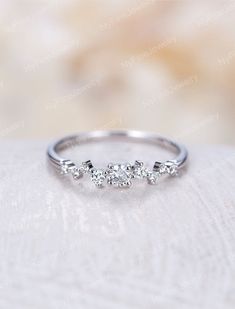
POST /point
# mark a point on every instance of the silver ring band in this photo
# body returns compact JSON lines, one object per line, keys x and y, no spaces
{"x":118,"y":175}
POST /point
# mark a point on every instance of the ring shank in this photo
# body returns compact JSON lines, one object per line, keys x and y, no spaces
{"x":86,"y":137}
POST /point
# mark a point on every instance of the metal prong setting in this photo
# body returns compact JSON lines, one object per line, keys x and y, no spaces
{"x":110,"y":166}
{"x":157,"y":166}
{"x":87,"y":166}
{"x":140,"y":170}
{"x":68,"y":167}
{"x":171,"y":168}
{"x":120,"y":175}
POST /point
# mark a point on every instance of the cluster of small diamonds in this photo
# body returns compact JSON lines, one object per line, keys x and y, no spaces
{"x":69,"y":167}
{"x":120,"y":175}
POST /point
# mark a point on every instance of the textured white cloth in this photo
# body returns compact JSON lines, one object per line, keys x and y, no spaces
{"x":66,"y":245}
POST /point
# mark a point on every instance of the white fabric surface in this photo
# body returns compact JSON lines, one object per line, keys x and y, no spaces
{"x":65,"y":245}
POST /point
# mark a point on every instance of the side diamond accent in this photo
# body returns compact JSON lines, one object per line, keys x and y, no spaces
{"x":139,"y":170}
{"x":67,"y":167}
{"x":64,"y":169}
{"x":171,"y":168}
{"x":76,"y":173}
{"x":120,"y":175}
{"x":87,"y":166}
{"x":153,"y":177}
{"x":98,"y":176}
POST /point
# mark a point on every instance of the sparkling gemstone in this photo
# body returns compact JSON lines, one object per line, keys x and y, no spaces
{"x":153,"y":177}
{"x":67,"y":167}
{"x":139,"y":170}
{"x":119,"y":175}
{"x":71,"y":168}
{"x":171,"y":168}
{"x":87,"y":166}
{"x":76,"y":173}
{"x":98,"y":176}
{"x":163,"y":168}
{"x":64,"y":169}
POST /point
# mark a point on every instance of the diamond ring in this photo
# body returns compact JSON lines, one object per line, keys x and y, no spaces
{"x":117,"y":174}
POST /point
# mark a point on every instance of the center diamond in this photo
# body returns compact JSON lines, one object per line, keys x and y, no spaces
{"x":119,"y":175}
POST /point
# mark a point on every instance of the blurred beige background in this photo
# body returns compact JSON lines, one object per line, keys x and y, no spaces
{"x":165,"y":66}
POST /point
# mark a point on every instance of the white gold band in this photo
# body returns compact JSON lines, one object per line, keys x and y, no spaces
{"x":119,"y":175}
